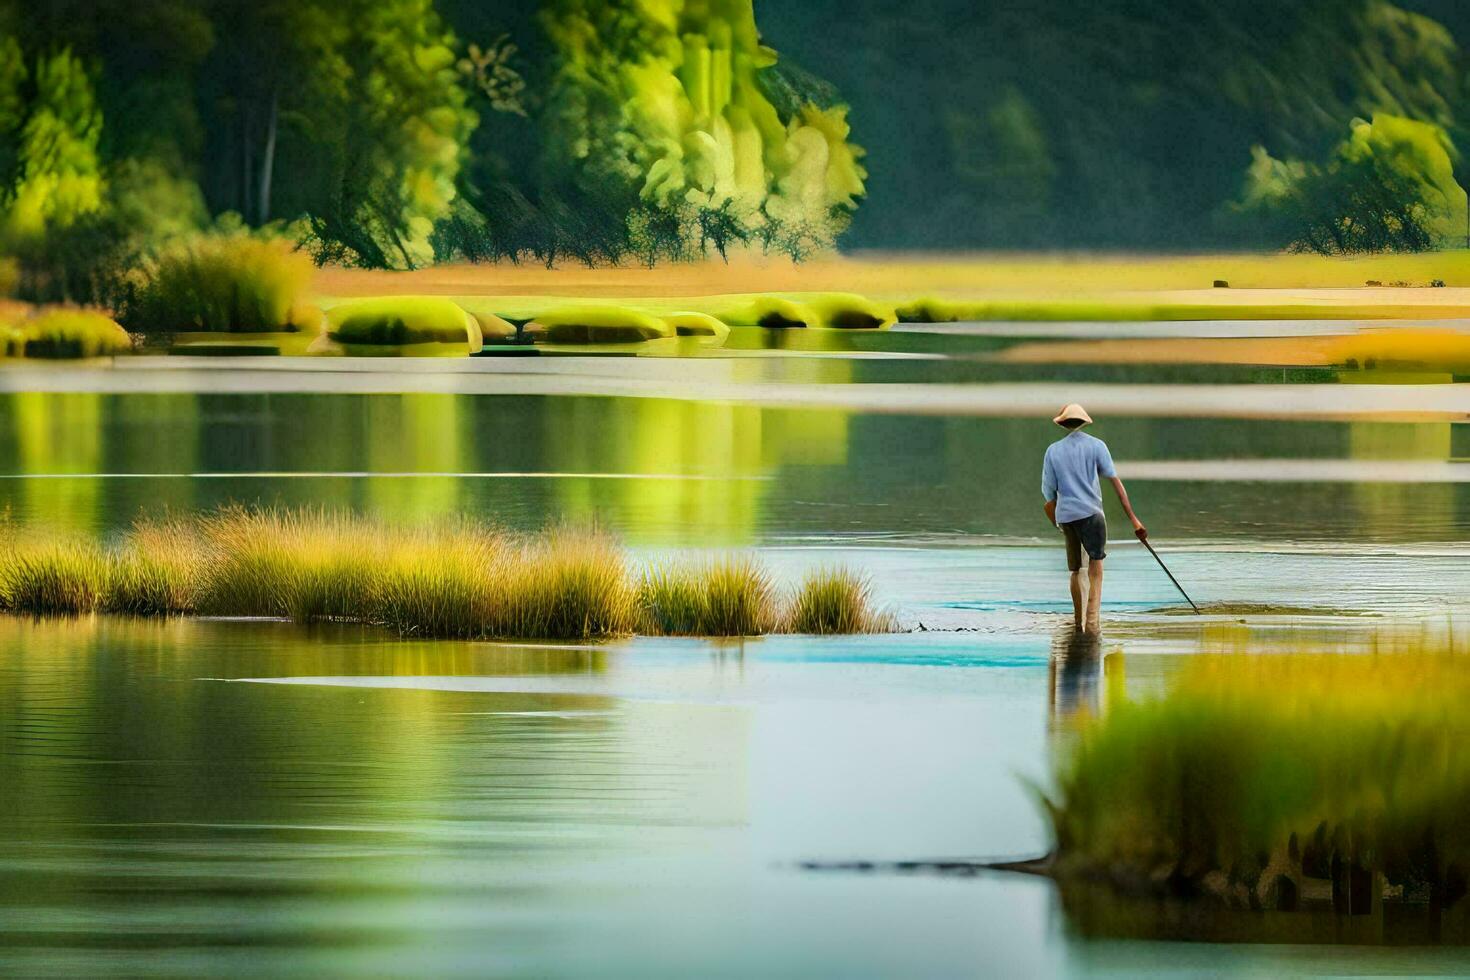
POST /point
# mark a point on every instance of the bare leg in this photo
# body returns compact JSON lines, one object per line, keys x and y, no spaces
{"x":1078,"y":598}
{"x":1094,"y":596}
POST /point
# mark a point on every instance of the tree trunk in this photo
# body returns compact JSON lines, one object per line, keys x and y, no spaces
{"x":268,"y":160}
{"x":247,"y":175}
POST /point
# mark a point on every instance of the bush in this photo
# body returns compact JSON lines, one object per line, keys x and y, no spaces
{"x":223,"y":284}
{"x":599,"y":325}
{"x":402,"y":320}
{"x":67,"y":333}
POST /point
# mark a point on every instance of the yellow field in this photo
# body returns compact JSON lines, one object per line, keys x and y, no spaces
{"x":980,"y":287}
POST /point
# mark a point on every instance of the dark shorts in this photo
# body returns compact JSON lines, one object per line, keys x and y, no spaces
{"x":1090,"y":533}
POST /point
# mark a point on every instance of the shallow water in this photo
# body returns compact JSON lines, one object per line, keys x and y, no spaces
{"x":205,"y":797}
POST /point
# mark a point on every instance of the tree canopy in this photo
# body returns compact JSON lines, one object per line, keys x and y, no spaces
{"x":396,"y":133}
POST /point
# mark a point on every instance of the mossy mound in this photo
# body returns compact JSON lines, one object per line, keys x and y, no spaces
{"x":493,"y":329}
{"x":849,"y":311}
{"x":598,"y":325}
{"x":66,"y":334}
{"x":691,"y":324}
{"x":403,"y":321}
{"x":836,"y":311}
{"x":771,"y":312}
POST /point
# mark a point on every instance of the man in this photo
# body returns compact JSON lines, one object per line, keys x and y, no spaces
{"x":1069,"y":482}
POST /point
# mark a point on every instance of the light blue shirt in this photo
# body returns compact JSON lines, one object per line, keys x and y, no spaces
{"x":1070,"y":476}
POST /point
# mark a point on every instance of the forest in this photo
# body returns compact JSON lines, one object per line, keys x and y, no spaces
{"x":400,"y":133}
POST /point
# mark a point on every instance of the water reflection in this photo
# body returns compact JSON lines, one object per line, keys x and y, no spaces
{"x":685,"y":472}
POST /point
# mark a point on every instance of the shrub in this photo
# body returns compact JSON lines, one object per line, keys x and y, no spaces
{"x":402,"y":320}
{"x":225,"y":284}
{"x":68,"y":333}
{"x":836,"y":600}
{"x":599,"y":325}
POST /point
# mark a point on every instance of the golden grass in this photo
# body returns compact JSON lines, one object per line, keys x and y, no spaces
{"x":912,"y":275}
{"x":723,"y":597}
{"x":459,"y":579}
{"x":836,"y":600}
{"x":1403,"y":348}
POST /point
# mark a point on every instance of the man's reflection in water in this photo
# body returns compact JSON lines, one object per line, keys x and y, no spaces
{"x":1076,"y":678}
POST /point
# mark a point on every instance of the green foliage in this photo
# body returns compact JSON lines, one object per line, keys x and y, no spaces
{"x":399,"y":140}
{"x":1390,"y":187}
{"x":230,"y":283}
{"x":64,"y":333}
{"x":1357,"y":755}
{"x":665,"y":98}
{"x":401,"y":320}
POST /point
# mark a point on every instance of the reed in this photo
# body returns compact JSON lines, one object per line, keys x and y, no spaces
{"x":835,"y":601}
{"x":724,"y":597}
{"x":157,"y":571}
{"x":459,"y":579}
{"x":56,"y":576}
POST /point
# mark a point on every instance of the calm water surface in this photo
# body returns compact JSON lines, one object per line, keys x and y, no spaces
{"x":204,"y":797}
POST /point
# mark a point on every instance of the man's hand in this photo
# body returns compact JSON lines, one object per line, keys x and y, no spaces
{"x":1140,"y":530}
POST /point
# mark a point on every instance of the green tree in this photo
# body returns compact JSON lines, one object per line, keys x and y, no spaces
{"x":1390,"y":187}
{"x":395,"y":151}
{"x":664,"y":104}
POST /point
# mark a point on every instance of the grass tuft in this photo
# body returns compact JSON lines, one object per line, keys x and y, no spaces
{"x":66,"y":576}
{"x":726,"y":597}
{"x":460,"y":579}
{"x":1312,"y":758}
{"x":836,"y":600}
{"x":157,"y":572}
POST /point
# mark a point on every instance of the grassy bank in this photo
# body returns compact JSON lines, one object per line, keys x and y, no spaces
{"x":1254,"y":776}
{"x":462,"y":580}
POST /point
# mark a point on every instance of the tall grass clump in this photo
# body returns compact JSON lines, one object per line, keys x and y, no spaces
{"x":836,"y":600}
{"x":226,"y":283}
{"x":724,"y":597}
{"x":441,"y":583}
{"x":158,"y":570}
{"x":1305,"y":763}
{"x":60,"y":576}
{"x":459,"y":579}
{"x":564,"y":584}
